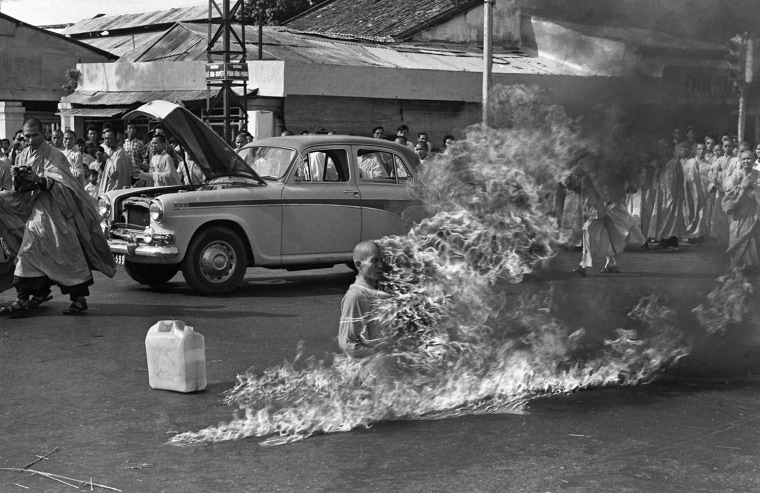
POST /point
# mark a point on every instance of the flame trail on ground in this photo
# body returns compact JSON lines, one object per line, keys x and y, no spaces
{"x":454,"y":346}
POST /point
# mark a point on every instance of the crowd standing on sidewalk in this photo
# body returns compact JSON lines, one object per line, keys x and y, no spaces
{"x":691,"y":190}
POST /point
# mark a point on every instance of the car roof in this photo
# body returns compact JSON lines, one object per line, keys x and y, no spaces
{"x":300,"y":142}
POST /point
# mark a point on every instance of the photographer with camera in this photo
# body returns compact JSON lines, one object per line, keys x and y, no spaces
{"x":62,"y":239}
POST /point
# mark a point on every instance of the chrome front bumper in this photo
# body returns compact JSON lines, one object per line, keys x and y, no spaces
{"x":131,"y":250}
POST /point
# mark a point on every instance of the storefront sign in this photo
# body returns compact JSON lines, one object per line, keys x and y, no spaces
{"x":226,"y":71}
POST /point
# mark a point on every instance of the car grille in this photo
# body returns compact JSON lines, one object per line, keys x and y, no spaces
{"x":135,"y":218}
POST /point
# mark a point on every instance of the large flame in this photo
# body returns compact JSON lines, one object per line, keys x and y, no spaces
{"x":454,"y":346}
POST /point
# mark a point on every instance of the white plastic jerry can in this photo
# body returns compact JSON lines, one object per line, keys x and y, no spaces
{"x":176,"y":357}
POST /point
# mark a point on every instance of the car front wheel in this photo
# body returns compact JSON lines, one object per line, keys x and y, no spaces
{"x":150,"y":274}
{"x":215,"y":262}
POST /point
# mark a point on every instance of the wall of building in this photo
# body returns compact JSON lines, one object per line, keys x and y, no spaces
{"x":468,"y":28}
{"x":143,"y":76}
{"x":709,"y":20}
{"x":358,"y":116}
{"x":34,"y":63}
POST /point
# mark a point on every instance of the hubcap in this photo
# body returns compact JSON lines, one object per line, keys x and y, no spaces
{"x":218,"y":262}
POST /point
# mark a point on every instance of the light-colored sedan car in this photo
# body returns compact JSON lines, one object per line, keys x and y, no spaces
{"x":285,"y":202}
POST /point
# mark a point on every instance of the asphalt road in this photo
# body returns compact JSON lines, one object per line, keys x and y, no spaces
{"x":78,"y":386}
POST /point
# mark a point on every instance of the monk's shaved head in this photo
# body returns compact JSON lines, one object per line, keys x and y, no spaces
{"x":366,"y":249}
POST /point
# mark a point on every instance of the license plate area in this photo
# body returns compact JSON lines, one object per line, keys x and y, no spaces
{"x":118,"y":258}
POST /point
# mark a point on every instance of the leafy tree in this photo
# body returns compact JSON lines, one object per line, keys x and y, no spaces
{"x":276,"y":11}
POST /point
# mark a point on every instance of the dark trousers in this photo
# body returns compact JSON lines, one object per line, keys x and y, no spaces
{"x":27,"y":287}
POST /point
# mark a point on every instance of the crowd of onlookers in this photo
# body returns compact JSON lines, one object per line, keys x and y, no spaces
{"x":423,"y":147}
{"x":108,"y":160}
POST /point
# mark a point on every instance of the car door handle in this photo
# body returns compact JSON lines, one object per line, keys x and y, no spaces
{"x":356,"y":194}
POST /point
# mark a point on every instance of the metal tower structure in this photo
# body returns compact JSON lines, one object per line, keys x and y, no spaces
{"x":225,"y":107}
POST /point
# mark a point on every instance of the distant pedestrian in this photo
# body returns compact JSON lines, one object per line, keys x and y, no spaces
{"x":421,"y":149}
{"x":118,"y":158}
{"x":134,"y":149}
{"x":401,"y":133}
{"x":423,"y":137}
{"x":378,"y":132}
{"x":241,"y":140}
{"x":607,"y":224}
{"x":742,"y":204}
{"x":6,"y":182}
{"x":92,"y":183}
{"x":72,"y":153}
{"x":448,"y":140}
{"x":667,"y":223}
{"x":56,"y":139}
{"x":162,"y":168}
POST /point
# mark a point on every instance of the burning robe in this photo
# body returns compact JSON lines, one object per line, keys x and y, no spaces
{"x":667,"y":212}
{"x":742,"y":204}
{"x":62,"y":239}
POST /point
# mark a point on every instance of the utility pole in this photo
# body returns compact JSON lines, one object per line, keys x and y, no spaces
{"x":225,"y":75}
{"x":487,"y":54}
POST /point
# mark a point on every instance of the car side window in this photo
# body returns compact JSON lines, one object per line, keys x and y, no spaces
{"x":381,"y":167}
{"x":402,"y":173}
{"x":329,"y":165}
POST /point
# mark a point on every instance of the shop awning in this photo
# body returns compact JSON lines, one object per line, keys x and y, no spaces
{"x":123,"y":98}
{"x":109,"y":112}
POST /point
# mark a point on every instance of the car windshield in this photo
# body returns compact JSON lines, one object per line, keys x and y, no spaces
{"x":268,"y":162}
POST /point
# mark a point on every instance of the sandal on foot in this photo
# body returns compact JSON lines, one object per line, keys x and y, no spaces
{"x":580,"y":270}
{"x":38,"y":300}
{"x":76,"y":307}
{"x":17,"y":309}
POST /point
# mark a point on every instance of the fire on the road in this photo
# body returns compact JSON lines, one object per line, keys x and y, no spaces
{"x":454,"y":347}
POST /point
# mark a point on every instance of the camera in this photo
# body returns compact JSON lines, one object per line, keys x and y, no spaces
{"x":24,"y":179}
{"x":22,"y":171}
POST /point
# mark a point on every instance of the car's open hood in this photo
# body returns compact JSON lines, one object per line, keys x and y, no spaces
{"x":205,"y":147}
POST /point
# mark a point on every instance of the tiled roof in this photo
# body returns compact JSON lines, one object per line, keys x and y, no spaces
{"x":376,"y":20}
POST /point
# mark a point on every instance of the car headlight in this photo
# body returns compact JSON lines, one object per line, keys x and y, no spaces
{"x":104,"y":206}
{"x":156,"y":211}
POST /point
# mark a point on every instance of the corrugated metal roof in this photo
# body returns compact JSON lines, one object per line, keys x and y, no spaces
{"x":179,"y":43}
{"x":376,"y":20}
{"x":188,"y":42}
{"x":133,"y":21}
{"x":95,"y":112}
{"x":126,"y":44}
{"x":125,"y":98}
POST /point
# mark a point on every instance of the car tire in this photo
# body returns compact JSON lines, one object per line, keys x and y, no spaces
{"x":215,"y":262}
{"x":150,"y":274}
